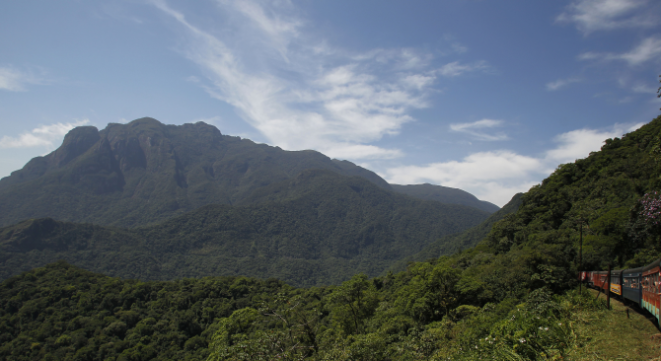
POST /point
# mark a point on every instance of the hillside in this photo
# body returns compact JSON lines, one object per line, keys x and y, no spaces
{"x":324,"y":228}
{"x":444,"y":195}
{"x":451,"y":244}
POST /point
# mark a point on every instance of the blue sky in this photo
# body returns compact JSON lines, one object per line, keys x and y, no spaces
{"x":486,"y":96}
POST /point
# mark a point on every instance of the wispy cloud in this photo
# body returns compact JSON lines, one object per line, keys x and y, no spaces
{"x":560,"y":83}
{"x":456,"y":46}
{"x":648,"y":49}
{"x":304,"y":93}
{"x":16,"y":80}
{"x":497,"y":175}
{"x":594,"y":15}
{"x":456,"y":68}
{"x":643,"y":88}
{"x":479,"y":128}
{"x":44,"y":136}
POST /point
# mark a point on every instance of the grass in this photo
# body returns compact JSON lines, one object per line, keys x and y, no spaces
{"x":611,"y":335}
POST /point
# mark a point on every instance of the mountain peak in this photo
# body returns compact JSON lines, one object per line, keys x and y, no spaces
{"x":77,"y":141}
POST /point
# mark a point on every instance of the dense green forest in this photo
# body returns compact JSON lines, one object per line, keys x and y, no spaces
{"x":512,"y":297}
{"x":444,"y":195}
{"x":145,"y":172}
{"x":454,"y":243}
{"x":328,"y":228}
{"x":433,"y":311}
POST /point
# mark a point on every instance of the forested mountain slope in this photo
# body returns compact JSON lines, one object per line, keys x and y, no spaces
{"x":451,"y":244}
{"x":324,"y":228}
{"x":603,"y":192}
{"x":444,"y":195}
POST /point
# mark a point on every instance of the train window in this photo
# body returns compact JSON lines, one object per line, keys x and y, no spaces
{"x":627,"y":282}
{"x":652,"y":284}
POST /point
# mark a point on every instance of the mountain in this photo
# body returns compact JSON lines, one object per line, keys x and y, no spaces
{"x":454,"y":243}
{"x":145,"y":172}
{"x":444,"y":195}
{"x":323,"y":228}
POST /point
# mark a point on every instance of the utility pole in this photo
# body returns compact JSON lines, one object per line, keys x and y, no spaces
{"x":608,"y":291}
{"x":580,"y":263}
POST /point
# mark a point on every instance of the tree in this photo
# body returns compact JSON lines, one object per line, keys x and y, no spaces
{"x":355,"y":301}
{"x":659,"y":90}
{"x":441,"y":286}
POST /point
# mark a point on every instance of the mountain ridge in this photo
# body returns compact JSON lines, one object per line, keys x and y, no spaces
{"x":145,"y":172}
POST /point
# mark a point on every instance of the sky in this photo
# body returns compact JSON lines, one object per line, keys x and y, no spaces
{"x":486,"y":96}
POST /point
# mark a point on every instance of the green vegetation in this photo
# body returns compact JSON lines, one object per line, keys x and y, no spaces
{"x":431,"y":312}
{"x":444,"y":195}
{"x":329,"y":228}
{"x":454,"y":243}
{"x":64,"y":313}
{"x":602,"y":193}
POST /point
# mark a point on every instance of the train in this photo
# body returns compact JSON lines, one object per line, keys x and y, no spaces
{"x":639,"y":285}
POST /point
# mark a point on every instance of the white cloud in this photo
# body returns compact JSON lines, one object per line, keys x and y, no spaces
{"x":311,"y":95}
{"x":648,"y":49}
{"x":362,"y":152}
{"x":476,"y":129}
{"x":594,"y":15}
{"x":560,"y":83}
{"x":496,"y":176}
{"x":44,"y":136}
{"x":15,"y":80}
{"x":645,"y":89}
{"x":579,"y":143}
{"x":456,"y":68}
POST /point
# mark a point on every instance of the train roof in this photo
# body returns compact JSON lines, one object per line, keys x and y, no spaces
{"x":652,"y":265}
{"x":634,"y":270}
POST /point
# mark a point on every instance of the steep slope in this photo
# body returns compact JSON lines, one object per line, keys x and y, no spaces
{"x":604,"y":193}
{"x":444,"y":195}
{"x":324,"y":228}
{"x":145,"y":172}
{"x":451,"y":244}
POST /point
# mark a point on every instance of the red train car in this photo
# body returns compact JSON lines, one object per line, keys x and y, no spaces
{"x":651,"y":288}
{"x":599,"y":279}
